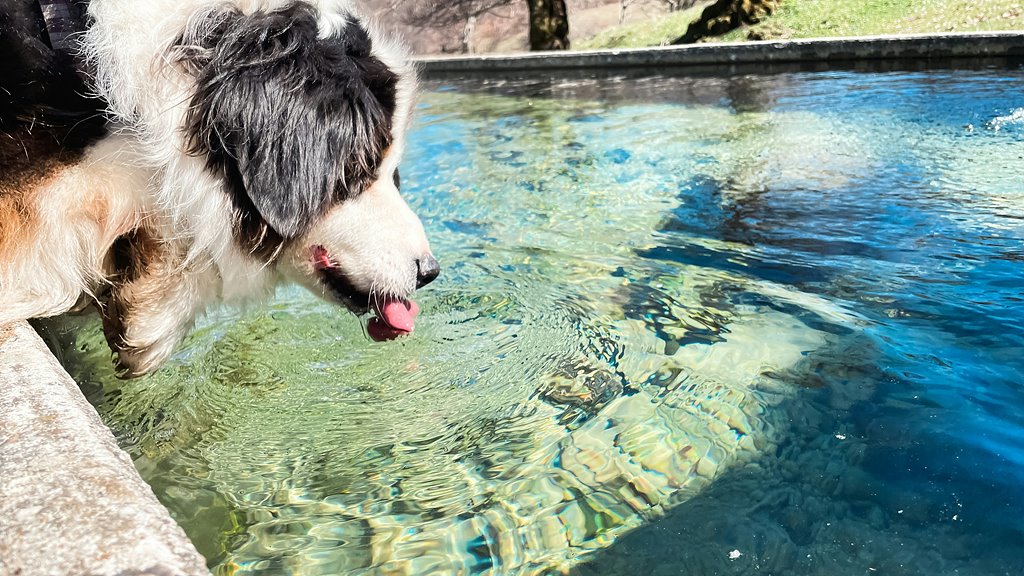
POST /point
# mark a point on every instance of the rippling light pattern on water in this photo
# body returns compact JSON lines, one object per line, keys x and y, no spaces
{"x":757,"y":325}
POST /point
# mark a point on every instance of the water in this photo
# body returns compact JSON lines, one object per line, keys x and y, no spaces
{"x":749,"y":325}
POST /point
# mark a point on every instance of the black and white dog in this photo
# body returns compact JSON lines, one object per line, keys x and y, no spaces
{"x":248,"y":142}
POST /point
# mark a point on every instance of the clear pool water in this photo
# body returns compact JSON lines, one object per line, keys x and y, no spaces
{"x":749,"y":325}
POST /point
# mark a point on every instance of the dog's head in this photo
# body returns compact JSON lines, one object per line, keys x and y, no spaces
{"x":303,"y":117}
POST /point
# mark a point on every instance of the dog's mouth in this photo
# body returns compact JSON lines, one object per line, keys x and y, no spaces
{"x":395,"y":316}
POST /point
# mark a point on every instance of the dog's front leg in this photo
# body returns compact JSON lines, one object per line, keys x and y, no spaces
{"x":153,"y":303}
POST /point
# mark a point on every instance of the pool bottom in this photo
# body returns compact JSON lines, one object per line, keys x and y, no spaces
{"x":595,"y":251}
{"x":541,"y":484}
{"x":812,"y":514}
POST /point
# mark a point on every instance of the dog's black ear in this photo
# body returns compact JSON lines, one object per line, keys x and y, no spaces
{"x":293,"y":121}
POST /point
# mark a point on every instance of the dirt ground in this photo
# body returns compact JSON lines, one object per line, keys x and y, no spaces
{"x":505,"y":30}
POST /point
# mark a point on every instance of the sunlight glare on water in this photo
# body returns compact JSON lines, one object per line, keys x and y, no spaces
{"x":651,"y":287}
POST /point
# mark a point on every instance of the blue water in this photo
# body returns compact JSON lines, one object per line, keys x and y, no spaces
{"x":753,"y":324}
{"x":906,"y":453}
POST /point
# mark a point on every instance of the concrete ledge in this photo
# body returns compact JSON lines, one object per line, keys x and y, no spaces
{"x":70,"y":500}
{"x":924,"y":46}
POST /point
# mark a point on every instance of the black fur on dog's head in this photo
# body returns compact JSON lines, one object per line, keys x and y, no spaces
{"x":293,"y":121}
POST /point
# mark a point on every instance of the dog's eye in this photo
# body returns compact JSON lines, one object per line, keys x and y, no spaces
{"x":398,"y":182}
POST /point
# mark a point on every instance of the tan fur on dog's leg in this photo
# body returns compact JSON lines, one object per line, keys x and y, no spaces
{"x":154,"y":302}
{"x":59,"y":230}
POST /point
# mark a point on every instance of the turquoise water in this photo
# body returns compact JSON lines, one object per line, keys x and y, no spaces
{"x":749,"y":325}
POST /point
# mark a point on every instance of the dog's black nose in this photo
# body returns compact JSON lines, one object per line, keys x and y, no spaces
{"x":427,"y":270}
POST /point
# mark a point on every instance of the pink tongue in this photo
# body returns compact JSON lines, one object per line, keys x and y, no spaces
{"x":396,"y":317}
{"x":399,"y":315}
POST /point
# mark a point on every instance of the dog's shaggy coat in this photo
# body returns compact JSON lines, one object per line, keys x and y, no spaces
{"x":249,"y":142}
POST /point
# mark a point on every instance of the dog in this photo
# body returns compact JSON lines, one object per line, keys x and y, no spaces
{"x":245,"y":143}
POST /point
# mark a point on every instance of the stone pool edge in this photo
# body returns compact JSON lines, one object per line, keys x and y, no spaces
{"x":1008,"y":44}
{"x":71,"y":501}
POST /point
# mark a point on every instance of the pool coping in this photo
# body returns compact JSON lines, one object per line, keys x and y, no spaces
{"x":1009,"y":44}
{"x":71,"y":501}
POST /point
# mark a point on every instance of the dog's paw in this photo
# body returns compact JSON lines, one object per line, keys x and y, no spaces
{"x":136,"y":361}
{"x":141,"y":343}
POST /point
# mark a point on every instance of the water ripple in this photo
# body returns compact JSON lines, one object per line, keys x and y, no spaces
{"x":646,"y":287}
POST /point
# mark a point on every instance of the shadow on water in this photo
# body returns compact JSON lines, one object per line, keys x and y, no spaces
{"x":863,"y":483}
{"x":692,"y":84}
{"x":902,"y":454}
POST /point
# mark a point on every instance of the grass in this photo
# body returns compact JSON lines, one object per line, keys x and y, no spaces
{"x":818,"y":18}
{"x":655,"y":32}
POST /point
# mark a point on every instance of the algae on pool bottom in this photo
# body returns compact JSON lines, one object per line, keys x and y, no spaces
{"x":440,"y":472}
